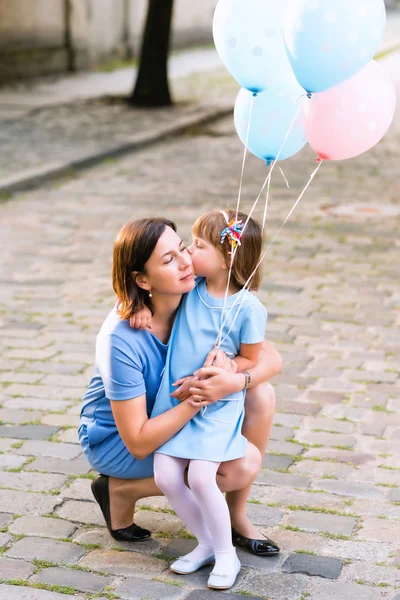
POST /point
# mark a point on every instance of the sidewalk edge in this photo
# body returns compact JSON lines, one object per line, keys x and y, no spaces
{"x":35,"y":178}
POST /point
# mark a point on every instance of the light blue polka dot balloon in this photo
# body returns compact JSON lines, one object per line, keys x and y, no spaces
{"x":330,"y":41}
{"x":248,"y":35}
{"x":271,"y":116}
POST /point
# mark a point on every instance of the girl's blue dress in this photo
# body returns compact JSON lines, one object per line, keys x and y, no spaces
{"x":214,"y":434}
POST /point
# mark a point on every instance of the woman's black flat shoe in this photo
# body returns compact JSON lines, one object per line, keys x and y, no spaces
{"x":133,"y":533}
{"x":263,"y":547}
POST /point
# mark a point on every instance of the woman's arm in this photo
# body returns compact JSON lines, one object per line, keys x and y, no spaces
{"x":216,"y":383}
{"x":142,"y":435}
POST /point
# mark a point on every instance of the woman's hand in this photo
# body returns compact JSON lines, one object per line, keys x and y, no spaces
{"x":218,"y":358}
{"x":185,"y":383}
{"x":213,"y":384}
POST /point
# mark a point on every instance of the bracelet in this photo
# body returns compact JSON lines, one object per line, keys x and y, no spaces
{"x":247,"y":379}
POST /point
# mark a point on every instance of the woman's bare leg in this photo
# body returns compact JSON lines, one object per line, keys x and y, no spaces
{"x":124,"y":493}
{"x":260,"y":407}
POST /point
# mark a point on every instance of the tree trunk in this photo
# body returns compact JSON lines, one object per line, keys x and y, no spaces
{"x":151,"y":88}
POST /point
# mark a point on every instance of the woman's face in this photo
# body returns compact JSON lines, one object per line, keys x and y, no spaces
{"x":169,"y":269}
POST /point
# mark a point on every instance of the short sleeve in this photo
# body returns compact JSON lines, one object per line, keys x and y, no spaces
{"x":120,"y":369}
{"x":254,"y":322}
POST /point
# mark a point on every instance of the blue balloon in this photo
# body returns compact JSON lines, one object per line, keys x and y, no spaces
{"x":271,"y":117}
{"x":248,"y":35}
{"x":328,"y":42}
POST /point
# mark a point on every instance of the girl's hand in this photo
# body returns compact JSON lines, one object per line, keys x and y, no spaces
{"x":218,"y":358}
{"x":182,"y":393}
{"x":215,"y":383}
{"x":142,"y":319}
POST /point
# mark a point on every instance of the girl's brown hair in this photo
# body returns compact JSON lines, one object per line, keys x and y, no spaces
{"x":209,"y":228}
{"x":132,"y":249}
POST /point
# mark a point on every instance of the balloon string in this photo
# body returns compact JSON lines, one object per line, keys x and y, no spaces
{"x":266,"y":205}
{"x":237,"y":206}
{"x":284,"y":177}
{"x":264,"y":255}
{"x":266,"y":182}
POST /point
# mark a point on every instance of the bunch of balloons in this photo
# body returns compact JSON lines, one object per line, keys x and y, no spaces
{"x":281,"y":51}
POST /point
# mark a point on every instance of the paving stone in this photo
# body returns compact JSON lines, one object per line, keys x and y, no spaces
{"x":272,"y":461}
{"x":4,"y":539}
{"x":61,"y":420}
{"x":276,"y":586}
{"x":316,"y":522}
{"x":42,"y":527}
{"x":357,"y":550}
{"x":325,"y":397}
{"x":287,"y":448}
{"x":371,"y":574}
{"x":298,"y":408}
{"x":289,"y":497}
{"x":80,"y":580}
{"x":11,"y":461}
{"x":8,"y":592}
{"x":355,"y":458}
{"x":104,"y":539}
{"x":76,"y":466}
{"x":394,"y":495}
{"x":28,"y":503}
{"x":348,"y":488}
{"x":35,"y":404}
{"x":49,"y":449}
{"x":81,"y":512}
{"x":5,"y":519}
{"x":279,"y":479}
{"x":323,"y":468}
{"x":31,"y":432}
{"x":321,"y":590}
{"x":320,"y":566}
{"x":70,"y":436}
{"x":11,"y":568}
{"x":79,"y":490}
{"x":286,"y":420}
{"x":35,"y":482}
{"x":160,"y":522}
{"x":325,"y":439}
{"x":13,"y":415}
{"x":210,"y":595}
{"x":123,"y":563}
{"x":263,"y":515}
{"x":45,"y":549}
{"x":329,"y":425}
{"x":379,"y":530}
{"x":139,"y":588}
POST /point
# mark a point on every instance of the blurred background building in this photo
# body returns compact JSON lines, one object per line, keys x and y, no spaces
{"x":39,"y":37}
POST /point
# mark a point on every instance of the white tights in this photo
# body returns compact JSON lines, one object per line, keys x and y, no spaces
{"x":202,"y":507}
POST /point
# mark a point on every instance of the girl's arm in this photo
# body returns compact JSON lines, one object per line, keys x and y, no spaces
{"x":248,"y":356}
{"x":216,"y":383}
{"x":142,"y":435}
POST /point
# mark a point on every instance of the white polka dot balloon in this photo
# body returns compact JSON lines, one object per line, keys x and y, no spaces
{"x":248,"y":35}
{"x":352,"y":28}
{"x":367,"y":104}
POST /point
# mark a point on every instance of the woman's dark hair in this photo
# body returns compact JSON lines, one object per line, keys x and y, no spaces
{"x":132,"y":249}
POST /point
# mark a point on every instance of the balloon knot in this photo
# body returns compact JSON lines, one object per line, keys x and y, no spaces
{"x":309,"y":95}
{"x":268,"y":162}
{"x":319,"y":159}
{"x":255,"y":94}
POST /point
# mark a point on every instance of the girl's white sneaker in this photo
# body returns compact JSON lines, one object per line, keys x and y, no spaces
{"x":184,"y":566}
{"x":224,"y":581}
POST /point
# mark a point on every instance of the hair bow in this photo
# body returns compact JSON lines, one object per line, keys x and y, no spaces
{"x":233,"y":232}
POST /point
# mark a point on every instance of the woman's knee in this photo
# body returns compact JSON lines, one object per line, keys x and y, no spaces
{"x":261,"y":400}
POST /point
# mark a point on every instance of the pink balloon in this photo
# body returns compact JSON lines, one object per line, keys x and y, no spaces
{"x":352,"y":117}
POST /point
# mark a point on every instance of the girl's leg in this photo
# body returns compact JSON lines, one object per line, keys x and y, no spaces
{"x":260,"y":407}
{"x":169,"y":476}
{"x":203,"y":483}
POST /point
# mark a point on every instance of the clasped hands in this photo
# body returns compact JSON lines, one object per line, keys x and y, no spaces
{"x":208,"y":384}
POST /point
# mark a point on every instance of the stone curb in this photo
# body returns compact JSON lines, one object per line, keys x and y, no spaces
{"x":34,"y":178}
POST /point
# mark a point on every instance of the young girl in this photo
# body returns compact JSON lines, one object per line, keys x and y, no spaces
{"x":214,"y":434}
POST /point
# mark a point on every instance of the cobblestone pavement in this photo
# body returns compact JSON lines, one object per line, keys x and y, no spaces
{"x":329,"y":490}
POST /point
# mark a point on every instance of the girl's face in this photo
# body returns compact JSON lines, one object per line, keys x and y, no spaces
{"x":207,"y":260}
{"x":169,"y":269}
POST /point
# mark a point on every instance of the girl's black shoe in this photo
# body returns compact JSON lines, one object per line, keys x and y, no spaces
{"x":263,"y":547}
{"x":133,"y":533}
